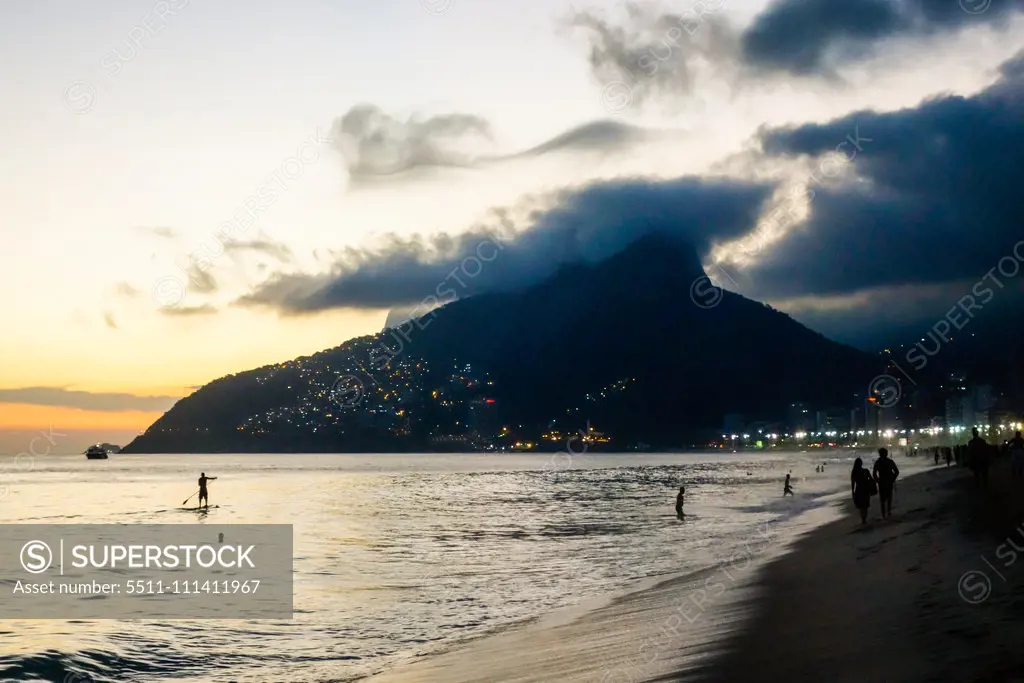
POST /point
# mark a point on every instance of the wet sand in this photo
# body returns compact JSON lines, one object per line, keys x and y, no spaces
{"x":928,"y":595}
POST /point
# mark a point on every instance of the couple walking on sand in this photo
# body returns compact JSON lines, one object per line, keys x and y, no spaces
{"x":881,"y":481}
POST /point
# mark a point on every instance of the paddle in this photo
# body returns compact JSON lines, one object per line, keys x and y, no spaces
{"x":189,"y":498}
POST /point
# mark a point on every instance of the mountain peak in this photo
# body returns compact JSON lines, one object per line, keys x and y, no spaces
{"x":662,"y":250}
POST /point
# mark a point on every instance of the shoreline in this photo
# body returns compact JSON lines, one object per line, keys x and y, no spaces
{"x":913,"y":598}
{"x":918,"y":597}
{"x":631,"y":635}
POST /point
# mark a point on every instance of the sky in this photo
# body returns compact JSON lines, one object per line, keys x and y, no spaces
{"x":189,"y":189}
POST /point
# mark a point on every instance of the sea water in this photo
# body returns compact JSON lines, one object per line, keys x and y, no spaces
{"x":398,"y":556}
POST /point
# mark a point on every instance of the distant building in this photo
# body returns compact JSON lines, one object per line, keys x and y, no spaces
{"x":833,"y":420}
{"x":872,"y":416}
{"x":982,"y":399}
{"x":733,"y":424}
{"x":959,"y":405}
{"x":800,"y":418}
{"x":483,"y":417}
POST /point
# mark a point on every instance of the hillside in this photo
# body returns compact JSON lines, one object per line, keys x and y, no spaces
{"x":619,"y":344}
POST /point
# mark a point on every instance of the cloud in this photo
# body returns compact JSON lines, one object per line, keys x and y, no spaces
{"x":126,"y":290}
{"x":161,"y":231}
{"x":86,"y":400}
{"x":653,"y":53}
{"x":936,"y":198}
{"x":379,"y":147}
{"x":586,"y":225}
{"x":596,"y":136}
{"x":189,"y":311}
{"x":263,"y":245}
{"x":926,"y":214}
{"x":201,"y":279}
{"x":374,"y":143}
{"x":700,"y":55}
{"x":812,"y":37}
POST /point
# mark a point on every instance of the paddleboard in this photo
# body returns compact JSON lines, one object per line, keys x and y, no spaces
{"x":199,"y":509}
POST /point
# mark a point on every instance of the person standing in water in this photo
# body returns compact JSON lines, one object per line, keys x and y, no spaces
{"x":679,"y":502}
{"x":787,"y":489}
{"x":204,"y":497}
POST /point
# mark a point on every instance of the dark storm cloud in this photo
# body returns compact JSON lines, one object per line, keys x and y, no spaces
{"x":85,"y":400}
{"x":811,"y":37}
{"x":676,"y":56}
{"x":377,"y":146}
{"x":585,"y":225}
{"x":937,"y":198}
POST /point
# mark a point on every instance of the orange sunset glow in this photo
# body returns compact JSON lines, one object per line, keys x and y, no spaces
{"x":25,"y":416}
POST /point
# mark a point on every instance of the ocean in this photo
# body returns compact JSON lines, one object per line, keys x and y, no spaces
{"x":398,"y":557}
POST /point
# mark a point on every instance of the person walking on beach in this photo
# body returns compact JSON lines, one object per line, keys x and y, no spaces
{"x":862,"y":485}
{"x":1017,"y":455}
{"x":679,"y":502}
{"x":978,"y":458}
{"x":949,"y":456}
{"x":936,"y":456}
{"x":204,"y":497}
{"x":885,"y":473}
{"x":788,"y":488}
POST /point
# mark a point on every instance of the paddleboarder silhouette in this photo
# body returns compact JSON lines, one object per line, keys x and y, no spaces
{"x":204,"y":497}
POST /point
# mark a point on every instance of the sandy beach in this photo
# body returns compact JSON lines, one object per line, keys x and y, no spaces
{"x":927,"y":595}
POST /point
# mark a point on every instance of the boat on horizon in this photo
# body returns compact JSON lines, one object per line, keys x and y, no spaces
{"x":96,"y":453}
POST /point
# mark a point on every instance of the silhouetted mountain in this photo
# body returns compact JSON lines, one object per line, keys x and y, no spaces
{"x":547,"y":353}
{"x":985,"y":345}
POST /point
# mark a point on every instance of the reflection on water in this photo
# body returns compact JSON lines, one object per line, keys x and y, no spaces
{"x":395,"y":556}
